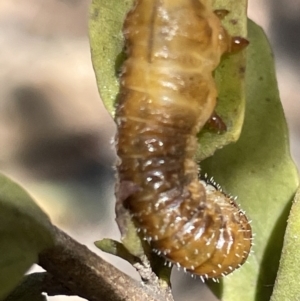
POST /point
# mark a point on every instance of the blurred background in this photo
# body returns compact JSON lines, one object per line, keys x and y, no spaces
{"x":56,"y":136}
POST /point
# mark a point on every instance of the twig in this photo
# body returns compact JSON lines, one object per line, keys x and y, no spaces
{"x":90,"y":277}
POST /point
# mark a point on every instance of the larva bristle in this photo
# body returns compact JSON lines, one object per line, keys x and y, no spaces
{"x":167,"y":94}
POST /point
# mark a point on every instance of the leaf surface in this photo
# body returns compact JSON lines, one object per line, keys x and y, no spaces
{"x":25,"y":230}
{"x":259,"y":170}
{"x":288,"y":278}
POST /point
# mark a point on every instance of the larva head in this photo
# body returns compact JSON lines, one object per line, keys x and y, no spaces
{"x":195,"y":240}
{"x":212,"y":243}
{"x":234,"y":237}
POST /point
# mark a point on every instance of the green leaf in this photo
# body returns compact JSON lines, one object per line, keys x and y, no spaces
{"x":230,"y":80}
{"x":259,"y":170}
{"x":288,"y":278}
{"x":30,"y":289}
{"x":25,"y":230}
{"x":106,"y":39}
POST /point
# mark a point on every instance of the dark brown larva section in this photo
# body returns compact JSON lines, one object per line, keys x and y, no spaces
{"x":167,"y":94}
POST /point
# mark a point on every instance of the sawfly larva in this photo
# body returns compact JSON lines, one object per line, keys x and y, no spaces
{"x":167,"y":94}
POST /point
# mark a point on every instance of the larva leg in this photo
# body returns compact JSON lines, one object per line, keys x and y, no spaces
{"x":216,"y":124}
{"x":237,"y":44}
{"x":221,"y":13}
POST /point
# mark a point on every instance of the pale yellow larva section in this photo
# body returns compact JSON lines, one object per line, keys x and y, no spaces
{"x":179,"y":50}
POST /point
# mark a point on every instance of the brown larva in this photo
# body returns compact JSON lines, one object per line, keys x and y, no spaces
{"x":167,"y":94}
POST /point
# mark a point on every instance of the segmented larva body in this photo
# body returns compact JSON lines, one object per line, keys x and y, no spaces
{"x":167,"y":93}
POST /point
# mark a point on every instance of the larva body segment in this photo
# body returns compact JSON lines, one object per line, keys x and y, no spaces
{"x":167,"y":94}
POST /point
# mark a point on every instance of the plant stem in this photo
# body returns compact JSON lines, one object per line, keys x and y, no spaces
{"x":88,"y":276}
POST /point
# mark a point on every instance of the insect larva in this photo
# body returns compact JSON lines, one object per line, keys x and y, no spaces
{"x":167,"y":93}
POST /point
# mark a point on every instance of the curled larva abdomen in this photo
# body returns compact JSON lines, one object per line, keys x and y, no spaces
{"x":167,"y":93}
